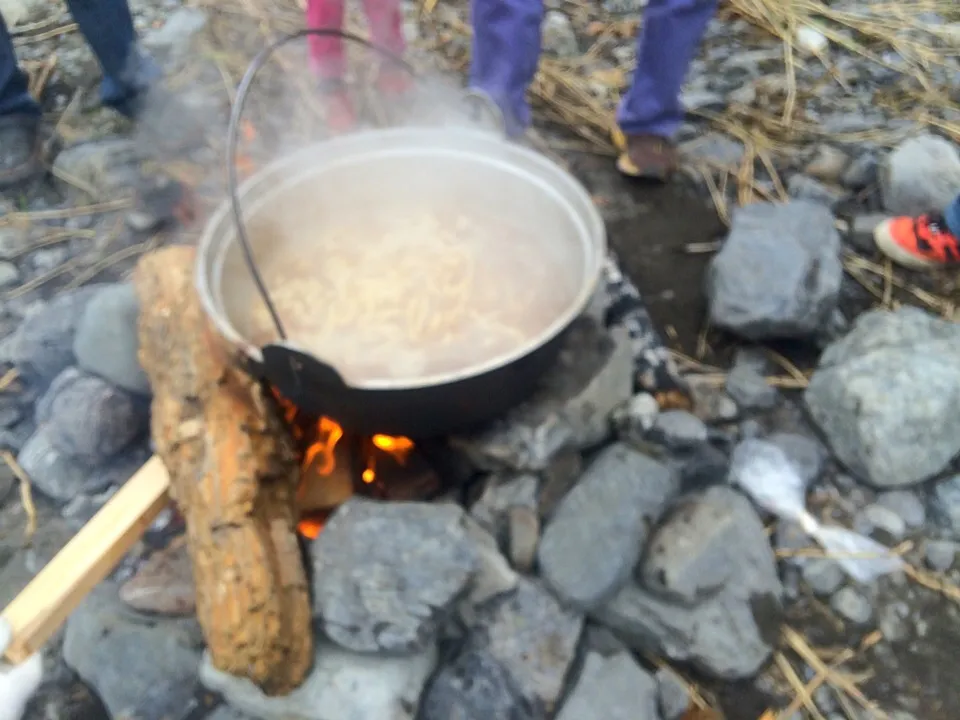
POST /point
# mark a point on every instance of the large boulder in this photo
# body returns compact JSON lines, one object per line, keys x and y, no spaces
{"x":707,"y":593}
{"x":778,"y":274}
{"x":921,"y":175}
{"x":887,"y":397}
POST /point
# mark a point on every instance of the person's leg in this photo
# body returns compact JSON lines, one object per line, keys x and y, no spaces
{"x":19,"y":118}
{"x":326,"y":53}
{"x":506,"y":50}
{"x":108,"y":27}
{"x":328,"y":62}
{"x":951,"y":216}
{"x":385,"y":18}
{"x":927,"y":241}
{"x":651,"y":111}
{"x":14,"y":98}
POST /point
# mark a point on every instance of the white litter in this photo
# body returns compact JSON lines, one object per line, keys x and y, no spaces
{"x":763,"y":471}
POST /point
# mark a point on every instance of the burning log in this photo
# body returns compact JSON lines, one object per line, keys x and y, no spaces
{"x":234,"y":474}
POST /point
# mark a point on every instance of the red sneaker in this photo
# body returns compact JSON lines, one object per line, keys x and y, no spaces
{"x":918,"y":243}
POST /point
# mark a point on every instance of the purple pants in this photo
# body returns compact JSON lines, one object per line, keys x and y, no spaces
{"x":506,"y":49}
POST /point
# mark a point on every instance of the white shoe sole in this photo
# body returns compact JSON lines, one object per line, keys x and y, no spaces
{"x":889,"y":247}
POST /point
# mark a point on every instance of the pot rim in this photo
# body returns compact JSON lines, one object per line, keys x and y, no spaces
{"x":591,"y":229}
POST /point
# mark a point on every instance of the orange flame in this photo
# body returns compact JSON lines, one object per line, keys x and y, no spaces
{"x":323,"y":447}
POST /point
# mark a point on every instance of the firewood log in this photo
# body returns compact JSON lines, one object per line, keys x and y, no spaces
{"x":233,"y":474}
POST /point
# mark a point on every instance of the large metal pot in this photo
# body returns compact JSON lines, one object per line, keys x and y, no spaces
{"x":390,"y":171}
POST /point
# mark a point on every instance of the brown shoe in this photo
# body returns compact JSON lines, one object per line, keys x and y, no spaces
{"x":648,"y":157}
{"x":20,"y":147}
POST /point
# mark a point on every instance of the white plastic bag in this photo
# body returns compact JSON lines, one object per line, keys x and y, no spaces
{"x":763,"y":471}
{"x":18,"y":683}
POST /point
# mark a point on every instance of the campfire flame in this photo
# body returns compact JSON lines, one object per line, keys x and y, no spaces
{"x":320,"y":455}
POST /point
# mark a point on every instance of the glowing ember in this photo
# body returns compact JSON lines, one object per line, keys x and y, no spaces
{"x":398,"y":447}
{"x":310,"y":527}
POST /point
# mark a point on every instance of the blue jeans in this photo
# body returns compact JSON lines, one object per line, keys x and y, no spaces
{"x":952,"y":217}
{"x":108,"y":28}
{"x":506,"y":50}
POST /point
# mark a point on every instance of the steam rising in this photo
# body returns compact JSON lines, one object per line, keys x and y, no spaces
{"x":184,"y":120}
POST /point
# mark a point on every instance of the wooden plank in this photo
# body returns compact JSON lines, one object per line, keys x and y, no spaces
{"x":43,"y":606}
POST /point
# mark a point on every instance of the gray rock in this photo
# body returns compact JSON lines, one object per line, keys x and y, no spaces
{"x":55,"y":474}
{"x":882,"y":523}
{"x":940,"y":554}
{"x":42,"y":346}
{"x":22,"y":12}
{"x":494,"y":575}
{"x":921,"y":175}
{"x":341,"y":685}
{"x":562,"y":474}
{"x":107,"y":168}
{"x":614,"y":688}
{"x":905,"y":504}
{"x":945,"y":505}
{"x":828,"y":164}
{"x":106,"y":342}
{"x":706,"y":543}
{"x":593,"y":541}
{"x":598,"y":639}
{"x":802,"y":187}
{"x":499,"y":495}
{"x":14,"y":241}
{"x":533,"y":637}
{"x":88,"y":418}
{"x":893,"y":621}
{"x":523,"y":537}
{"x":851,"y":605}
{"x":887,"y":397}
{"x":175,"y":35}
{"x":806,"y":454}
{"x":140,"y":669}
{"x":727,"y":633}
{"x":862,"y":229}
{"x":640,"y":413}
{"x":862,"y":172}
{"x":747,"y":384}
{"x":694,"y":100}
{"x":225,"y":712}
{"x":476,"y":686}
{"x":823,"y":575}
{"x":779,"y":272}
{"x":570,"y":410}
{"x":559,"y":37}
{"x":673,"y":694}
{"x":714,"y":149}
{"x":9,"y":275}
{"x":710,"y":402}
{"x":679,"y":430}
{"x":704,"y":466}
{"x":10,"y":412}
{"x":386,"y":574}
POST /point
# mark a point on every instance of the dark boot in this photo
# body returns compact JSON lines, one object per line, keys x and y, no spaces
{"x":648,"y":157}
{"x":19,"y":149}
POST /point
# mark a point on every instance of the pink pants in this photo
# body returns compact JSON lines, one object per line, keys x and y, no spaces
{"x":326,"y":53}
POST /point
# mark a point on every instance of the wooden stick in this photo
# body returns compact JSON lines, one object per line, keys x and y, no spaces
{"x":43,"y":606}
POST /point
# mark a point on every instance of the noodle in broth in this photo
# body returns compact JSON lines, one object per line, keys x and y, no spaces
{"x":415,"y":299}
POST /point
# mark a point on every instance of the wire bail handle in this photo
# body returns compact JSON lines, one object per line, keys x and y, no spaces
{"x":233,"y":132}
